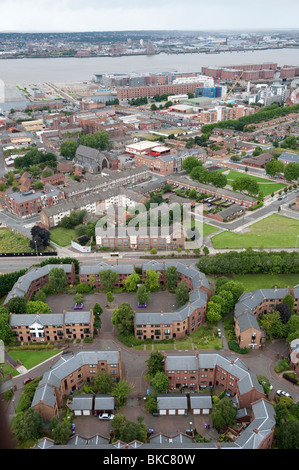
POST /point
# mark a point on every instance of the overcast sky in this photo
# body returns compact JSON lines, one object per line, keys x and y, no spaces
{"x":121,"y":15}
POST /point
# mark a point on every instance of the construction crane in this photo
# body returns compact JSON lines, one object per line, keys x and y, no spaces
{"x":238,"y":79}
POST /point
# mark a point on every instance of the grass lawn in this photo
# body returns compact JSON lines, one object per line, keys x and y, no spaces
{"x":62,"y":236}
{"x":205,"y":338}
{"x":265,"y":185}
{"x":11,"y":242}
{"x":6,"y":369}
{"x":275,"y":231}
{"x":32,"y":358}
{"x":266,"y":281}
{"x":184,"y":343}
{"x":207,"y":228}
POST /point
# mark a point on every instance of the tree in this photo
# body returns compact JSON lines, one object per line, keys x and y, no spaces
{"x":60,"y":430}
{"x":123,"y":319}
{"x":97,"y":309}
{"x":285,"y":312}
{"x":155,"y":363}
{"x":102,"y":383}
{"x":40,"y":296}
{"x":151,"y":403}
{"x":274,"y":167}
{"x":132,"y":431}
{"x":121,"y":391}
{"x":36,"y":306}
{"x":288,"y":435}
{"x":171,"y":276}
{"x":160,"y":382}
{"x":152,"y":280}
{"x":235,"y":287}
{"x":57,"y":279}
{"x":132,"y":281}
{"x":142,"y":295}
{"x":68,"y":149}
{"x":78,"y":298}
{"x":28,"y":425}
{"x":181,"y":293}
{"x":118,"y":422}
{"x":271,"y":322}
{"x":291,"y":171}
{"x":40,"y":237}
{"x":224,"y":414}
{"x":213,"y":312}
{"x":110,"y":297}
{"x":191,"y":162}
{"x":5,"y":331}
{"x":17,"y":305}
{"x":108,"y":278}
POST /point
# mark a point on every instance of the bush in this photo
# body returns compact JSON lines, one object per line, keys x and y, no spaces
{"x":83,"y":288}
{"x":234,"y":346}
{"x":281,"y":366}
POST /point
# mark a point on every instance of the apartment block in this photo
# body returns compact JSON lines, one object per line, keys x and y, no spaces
{"x":30,"y":203}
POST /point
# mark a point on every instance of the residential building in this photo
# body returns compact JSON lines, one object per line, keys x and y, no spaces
{"x":50,"y":327}
{"x":30,"y":203}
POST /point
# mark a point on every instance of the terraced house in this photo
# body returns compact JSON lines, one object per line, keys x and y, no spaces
{"x":35,"y":278}
{"x":68,"y":374}
{"x":51,"y":326}
{"x":251,"y":306}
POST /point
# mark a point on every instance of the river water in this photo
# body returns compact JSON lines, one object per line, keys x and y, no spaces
{"x":14,"y":71}
{"x":62,"y":70}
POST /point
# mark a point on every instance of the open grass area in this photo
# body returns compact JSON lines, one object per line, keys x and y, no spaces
{"x":31,"y":359}
{"x":207,"y":228}
{"x":266,"y":281}
{"x":11,"y":242}
{"x":275,"y":231}
{"x":62,"y":236}
{"x":265,"y":185}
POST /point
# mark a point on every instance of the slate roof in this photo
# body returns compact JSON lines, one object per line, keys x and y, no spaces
{"x":172,"y":401}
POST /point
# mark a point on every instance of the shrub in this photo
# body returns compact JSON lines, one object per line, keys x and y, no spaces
{"x":83,"y":288}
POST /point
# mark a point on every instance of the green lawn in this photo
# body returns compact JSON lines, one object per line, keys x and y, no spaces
{"x":11,"y":242}
{"x":265,"y":185}
{"x":207,"y":228}
{"x":266,"y":281}
{"x":32,"y":358}
{"x":275,"y":231}
{"x":62,"y":236}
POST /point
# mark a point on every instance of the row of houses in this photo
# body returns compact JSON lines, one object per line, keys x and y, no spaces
{"x":70,"y":372}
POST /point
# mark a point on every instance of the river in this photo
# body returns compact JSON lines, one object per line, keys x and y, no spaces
{"x":22,"y":71}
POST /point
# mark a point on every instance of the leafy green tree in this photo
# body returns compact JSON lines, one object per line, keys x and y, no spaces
{"x":142,"y":295}
{"x":152,"y":280}
{"x":17,"y":305}
{"x":155,"y":363}
{"x":274,"y":167}
{"x":68,"y":149}
{"x":291,"y":171}
{"x":151,"y":403}
{"x":5,"y":331}
{"x":288,"y":435}
{"x":102,"y":383}
{"x":236,"y":288}
{"x":190,"y":162}
{"x":181,"y":293}
{"x":118,"y":422}
{"x":36,"y":306}
{"x":28,"y":425}
{"x":132,"y":431}
{"x":60,"y":430}
{"x":121,"y":391}
{"x":40,"y":296}
{"x":213,"y":312}
{"x":171,"y":276}
{"x":224,"y":414}
{"x":160,"y":382}
{"x":272,"y":323}
{"x":131,"y":281}
{"x":123,"y":319}
{"x":110,"y":297}
{"x":108,"y":278}
{"x":57,"y":279}
{"x":97,"y":309}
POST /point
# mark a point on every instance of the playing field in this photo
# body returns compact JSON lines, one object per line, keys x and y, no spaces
{"x":265,"y":185}
{"x":62,"y":236}
{"x":275,"y":231}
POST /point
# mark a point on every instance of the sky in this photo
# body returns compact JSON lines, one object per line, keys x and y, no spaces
{"x":122,"y":15}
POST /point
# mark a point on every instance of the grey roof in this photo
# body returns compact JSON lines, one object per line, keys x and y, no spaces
{"x":200,"y":401}
{"x":290,"y":157}
{"x":29,"y":195}
{"x":172,"y":401}
{"x":229,"y":211}
{"x":175,"y":440}
{"x":185,"y":362}
{"x":82,"y":402}
{"x":104,"y":402}
{"x":22,"y":285}
{"x":102,"y":266}
{"x":44,"y":393}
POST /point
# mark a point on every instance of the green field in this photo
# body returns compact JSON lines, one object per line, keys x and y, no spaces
{"x":207,"y":228}
{"x":11,"y":242}
{"x":62,"y":236}
{"x":275,"y":231}
{"x":265,"y":185}
{"x":31,"y":359}
{"x":266,"y":281}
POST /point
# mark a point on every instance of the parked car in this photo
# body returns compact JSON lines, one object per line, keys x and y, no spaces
{"x":29,"y":379}
{"x":282,"y":393}
{"x":106,"y":416}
